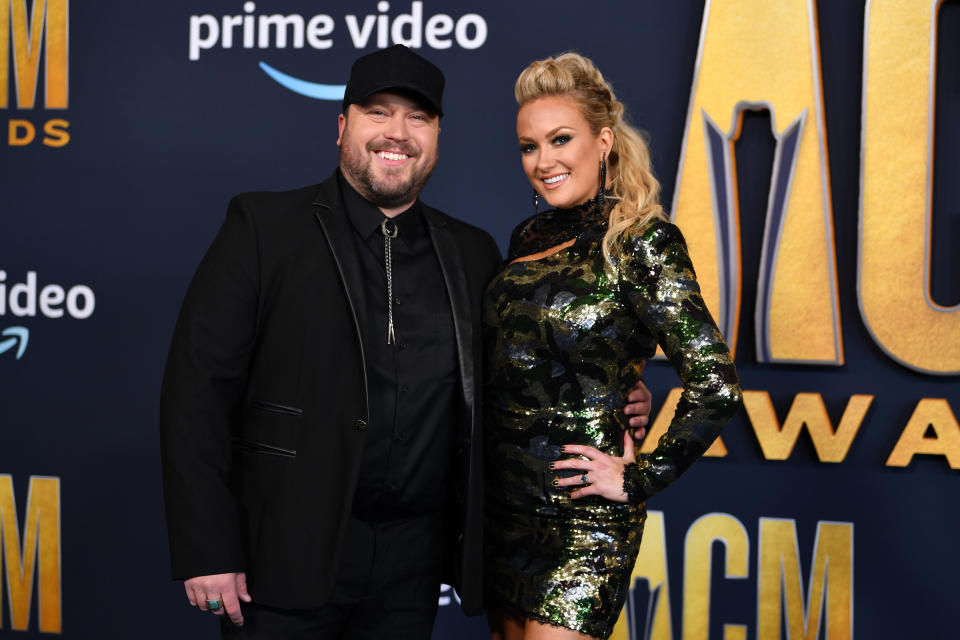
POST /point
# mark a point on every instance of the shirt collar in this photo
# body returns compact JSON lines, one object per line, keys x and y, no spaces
{"x":366,"y":216}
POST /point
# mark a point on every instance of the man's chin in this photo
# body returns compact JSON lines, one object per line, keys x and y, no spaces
{"x":386,"y":193}
{"x":392,"y":200}
{"x":389,"y":189}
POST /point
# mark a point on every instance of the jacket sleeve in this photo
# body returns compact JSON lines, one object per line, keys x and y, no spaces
{"x":658,"y":282}
{"x":200,"y":401}
{"x":494,"y":259}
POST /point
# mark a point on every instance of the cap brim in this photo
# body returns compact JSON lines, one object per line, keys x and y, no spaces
{"x":401,"y":87}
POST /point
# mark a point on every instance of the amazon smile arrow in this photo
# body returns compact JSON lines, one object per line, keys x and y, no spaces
{"x":20,"y":334}
{"x":310,"y":89}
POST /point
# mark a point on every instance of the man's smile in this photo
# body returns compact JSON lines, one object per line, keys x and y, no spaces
{"x":393,"y":158}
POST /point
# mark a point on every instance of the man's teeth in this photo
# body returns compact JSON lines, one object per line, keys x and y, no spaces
{"x":556,"y":179}
{"x":387,"y":155}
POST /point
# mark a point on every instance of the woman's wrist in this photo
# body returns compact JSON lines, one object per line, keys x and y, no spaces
{"x":633,"y":484}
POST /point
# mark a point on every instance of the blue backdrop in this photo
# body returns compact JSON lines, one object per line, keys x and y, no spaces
{"x":157,"y":144}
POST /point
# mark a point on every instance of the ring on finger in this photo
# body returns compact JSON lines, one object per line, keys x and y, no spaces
{"x":584,"y":479}
{"x":214,"y":605}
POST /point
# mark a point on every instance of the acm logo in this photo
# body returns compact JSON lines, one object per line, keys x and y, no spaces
{"x":761,"y":55}
{"x":40,"y":556}
{"x":22,"y":38}
{"x":771,"y":62}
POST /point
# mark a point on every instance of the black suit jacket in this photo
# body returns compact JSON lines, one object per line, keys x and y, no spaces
{"x":264,"y":401}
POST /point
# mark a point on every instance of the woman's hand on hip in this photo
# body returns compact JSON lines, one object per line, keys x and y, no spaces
{"x":600,"y":474}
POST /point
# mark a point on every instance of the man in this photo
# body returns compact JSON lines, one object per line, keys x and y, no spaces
{"x":320,"y":417}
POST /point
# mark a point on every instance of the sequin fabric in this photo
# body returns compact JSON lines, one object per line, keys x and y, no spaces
{"x":564,"y":337}
{"x":548,"y":229}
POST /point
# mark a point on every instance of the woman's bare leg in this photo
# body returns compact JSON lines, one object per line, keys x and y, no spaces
{"x":503,"y":627}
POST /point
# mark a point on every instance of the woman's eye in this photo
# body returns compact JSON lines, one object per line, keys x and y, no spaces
{"x":527,"y":148}
{"x":561,"y":140}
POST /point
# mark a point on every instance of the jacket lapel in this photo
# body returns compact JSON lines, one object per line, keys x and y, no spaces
{"x":447,"y":246}
{"x":339,"y":234}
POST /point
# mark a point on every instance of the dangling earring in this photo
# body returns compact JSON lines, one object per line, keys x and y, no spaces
{"x":619,"y":173}
{"x":603,"y":179}
{"x":536,"y":202}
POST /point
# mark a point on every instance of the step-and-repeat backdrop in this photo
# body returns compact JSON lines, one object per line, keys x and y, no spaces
{"x":807,"y":149}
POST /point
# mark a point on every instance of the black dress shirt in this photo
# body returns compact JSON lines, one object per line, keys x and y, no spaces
{"x":411,"y":436}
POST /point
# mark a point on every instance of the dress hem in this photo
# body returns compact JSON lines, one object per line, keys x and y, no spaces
{"x":510,"y":610}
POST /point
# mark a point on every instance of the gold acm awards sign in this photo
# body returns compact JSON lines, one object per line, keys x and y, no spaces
{"x":23,"y":38}
{"x":32,"y":557}
{"x":30,"y":563}
{"x":753,"y":55}
{"x":762,"y":55}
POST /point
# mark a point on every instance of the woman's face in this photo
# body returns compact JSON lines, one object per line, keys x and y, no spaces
{"x":560,"y":154}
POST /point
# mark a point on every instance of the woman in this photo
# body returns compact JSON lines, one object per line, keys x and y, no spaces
{"x":591,"y":287}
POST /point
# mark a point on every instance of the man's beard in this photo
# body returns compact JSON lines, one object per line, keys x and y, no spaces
{"x":357,"y":165}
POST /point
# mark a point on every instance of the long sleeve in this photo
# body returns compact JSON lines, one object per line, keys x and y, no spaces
{"x":202,"y":388}
{"x":658,"y":282}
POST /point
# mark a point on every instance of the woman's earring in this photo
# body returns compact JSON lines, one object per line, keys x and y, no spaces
{"x":603,"y":179}
{"x":536,"y":202}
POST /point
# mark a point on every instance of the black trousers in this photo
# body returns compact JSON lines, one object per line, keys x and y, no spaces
{"x":387,"y":586}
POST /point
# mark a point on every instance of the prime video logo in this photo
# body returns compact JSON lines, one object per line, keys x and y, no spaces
{"x":14,"y":337}
{"x":26,"y":299}
{"x":250,"y":31}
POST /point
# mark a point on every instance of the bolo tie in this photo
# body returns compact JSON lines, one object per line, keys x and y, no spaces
{"x":389,"y":230}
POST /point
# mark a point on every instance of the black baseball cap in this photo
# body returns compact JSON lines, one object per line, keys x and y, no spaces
{"x":396,"y":67}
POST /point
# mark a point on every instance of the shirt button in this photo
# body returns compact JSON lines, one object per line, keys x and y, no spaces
{"x":360,"y":424}
{"x":396,"y":300}
{"x":404,"y":388}
{"x":403,"y":345}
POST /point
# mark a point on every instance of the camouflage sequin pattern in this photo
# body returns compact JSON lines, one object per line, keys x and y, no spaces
{"x":564,"y":338}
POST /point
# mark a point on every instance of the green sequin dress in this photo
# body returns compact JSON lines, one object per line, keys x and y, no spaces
{"x":564,"y":338}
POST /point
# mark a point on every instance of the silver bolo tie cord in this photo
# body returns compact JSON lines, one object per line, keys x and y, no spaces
{"x":389,"y":230}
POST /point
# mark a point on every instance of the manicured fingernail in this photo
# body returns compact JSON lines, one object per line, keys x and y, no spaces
{"x":553,"y":465}
{"x":555,"y":482}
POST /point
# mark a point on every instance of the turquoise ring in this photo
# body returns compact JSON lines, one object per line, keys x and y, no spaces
{"x":214,"y":605}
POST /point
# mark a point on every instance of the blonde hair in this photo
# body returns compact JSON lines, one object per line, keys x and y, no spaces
{"x":630,"y":181}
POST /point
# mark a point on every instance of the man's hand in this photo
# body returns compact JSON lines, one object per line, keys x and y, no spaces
{"x":228,"y":588}
{"x":639,"y":400}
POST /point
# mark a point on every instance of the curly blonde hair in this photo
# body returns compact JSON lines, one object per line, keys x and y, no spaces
{"x":630,"y":181}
